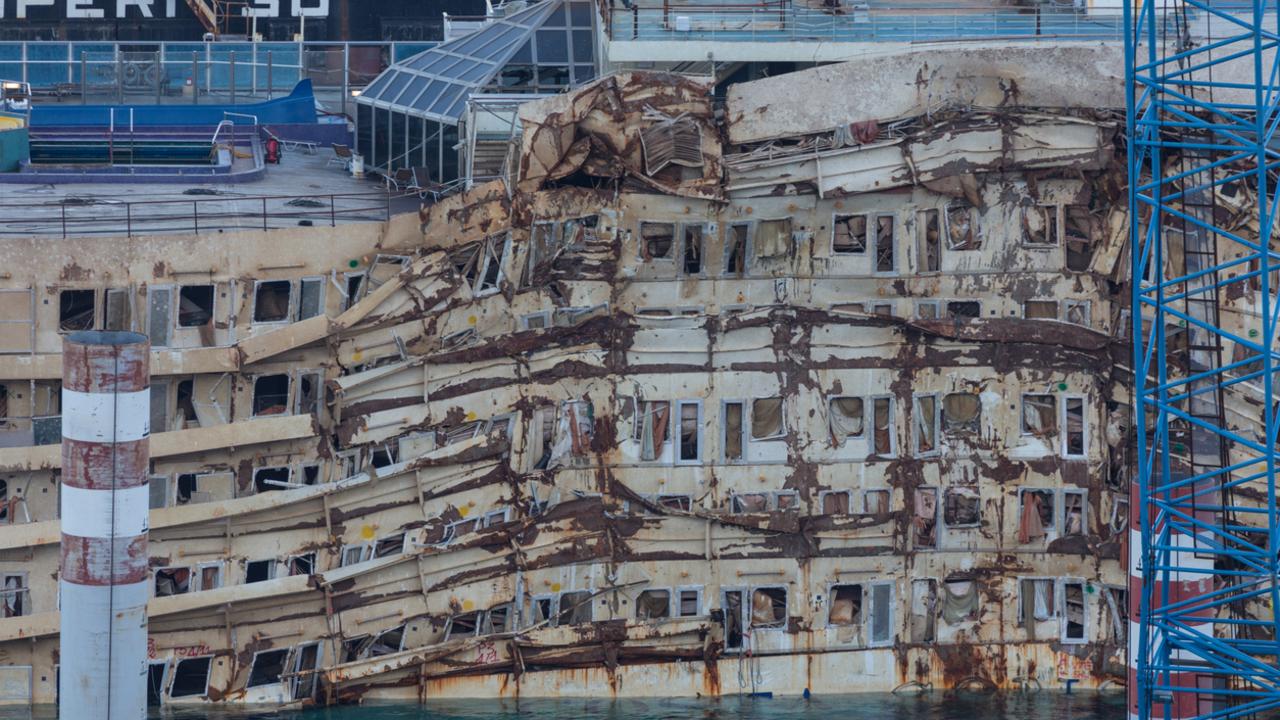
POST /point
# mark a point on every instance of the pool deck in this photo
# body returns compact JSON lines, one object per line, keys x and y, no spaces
{"x":302,"y":189}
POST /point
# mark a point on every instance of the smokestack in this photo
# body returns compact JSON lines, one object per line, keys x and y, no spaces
{"x":106,"y":412}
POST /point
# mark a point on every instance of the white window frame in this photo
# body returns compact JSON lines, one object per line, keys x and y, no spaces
{"x":748,"y":250}
{"x":284,"y":667}
{"x":830,"y":599}
{"x":676,"y":601}
{"x":937,"y":425}
{"x":888,"y":495}
{"x":168,"y":690}
{"x":272,"y":574}
{"x":1060,"y":600}
{"x":1068,"y":304}
{"x":744,"y":429}
{"x":1057,"y":507}
{"x":868,"y":603}
{"x":974,"y":492}
{"x":893,"y":427}
{"x":675,"y":242}
{"x":866,"y":234}
{"x":289,"y":314}
{"x":501,"y":257}
{"x":322,"y":281}
{"x":706,"y":231}
{"x":1022,"y":410}
{"x":677,"y":416}
{"x":545,"y":315}
{"x":936,"y":305}
{"x":822,"y":497}
{"x":1052,"y":213}
{"x":873,"y":234}
{"x":973,"y":222}
{"x":672,"y":599}
{"x":786,"y":597}
{"x":749,"y":420}
{"x":1061,"y":510}
{"x":199,"y":575}
{"x":365,"y":553}
{"x":1063,"y":399}
{"x":213,"y":311}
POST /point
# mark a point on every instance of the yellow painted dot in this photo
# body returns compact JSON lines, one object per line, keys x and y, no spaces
{"x":472,"y":319}
{"x":464,"y":510}
{"x":471,"y":416}
{"x":357,"y":356}
{"x":367,"y":532}
{"x":555,"y":587}
{"x":468,"y":605}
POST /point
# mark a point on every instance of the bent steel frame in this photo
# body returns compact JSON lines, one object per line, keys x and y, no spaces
{"x":1204,"y":528}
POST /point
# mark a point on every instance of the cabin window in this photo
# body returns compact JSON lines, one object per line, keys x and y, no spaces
{"x":302,"y":564}
{"x":657,"y":240}
{"x":961,"y":601}
{"x":16,"y":594}
{"x":354,"y":289}
{"x":773,"y":238}
{"x":118,"y":310}
{"x":195,"y":305}
{"x":1073,"y":512}
{"x":387,"y":642}
{"x":267,"y":667}
{"x":653,"y":604}
{"x":310,"y":386}
{"x":270,"y":478}
{"x":1077,"y":229}
{"x":881,"y":630}
{"x":191,"y":677}
{"x":1073,"y":610}
{"x":766,"y":419}
{"x":1035,"y":514}
{"x":882,"y":417}
{"x":691,"y":249}
{"x":1073,"y":425}
{"x":835,"y":502}
{"x":846,"y":606}
{"x":310,"y":297}
{"x":845,"y":418}
{"x":575,"y":608}
{"x":690,"y":439}
{"x":536,"y":321}
{"x":651,"y":427}
{"x":927,"y":309}
{"x":886,"y":261}
{"x":1039,"y":415}
{"x":962,"y":227}
{"x":1040,"y":309}
{"x":849,"y":234}
{"x":768,"y":607}
{"x":924,"y":522}
{"x":929,"y":226}
{"x":734,"y":430}
{"x":961,"y":508}
{"x":1076,"y":312}
{"x":353,"y":554}
{"x":187,"y":484}
{"x":210,"y":576}
{"x":690,"y":602}
{"x":961,"y":413}
{"x":159,"y":315}
{"x":390,"y":545}
{"x":259,"y":570}
{"x":271,"y":300}
{"x":1040,"y":225}
{"x":925,"y":431}
{"x":736,"y":248}
{"x":271,"y":395}
{"x":964,"y":310}
{"x":77,"y":310}
{"x":876,"y":502}
{"x":464,"y":625}
{"x":172,"y":581}
{"x":497,"y":620}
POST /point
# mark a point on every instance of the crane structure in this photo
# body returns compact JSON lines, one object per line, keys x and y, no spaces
{"x":1202,"y":83}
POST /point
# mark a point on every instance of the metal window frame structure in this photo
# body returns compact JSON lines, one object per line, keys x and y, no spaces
{"x":1203,"y":93}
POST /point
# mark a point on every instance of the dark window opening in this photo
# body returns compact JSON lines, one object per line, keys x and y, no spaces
{"x":267,"y":479}
{"x":689,"y":603}
{"x":849,"y":234}
{"x":1079,"y":231}
{"x":267,"y":667}
{"x":846,"y":606}
{"x":464,"y":625}
{"x":497,"y":620}
{"x":733,"y":629}
{"x":195,"y":305}
{"x":657,"y":240}
{"x":309,"y":393}
{"x":885,"y":261}
{"x":271,"y":395}
{"x":173,"y":581}
{"x":692,"y":255}
{"x":259,"y":570}
{"x":355,"y":285}
{"x":930,"y":246}
{"x":382,"y":457}
{"x":186,"y":406}
{"x":271,"y":301}
{"x":653,"y":604}
{"x":187,"y":484}
{"x":76,"y":310}
{"x":310,"y":474}
{"x":190,"y":677}
{"x":155,"y":683}
{"x":961,"y":508}
{"x":302,"y":564}
{"x":963,"y":309}
{"x":768,"y":607}
{"x":388,"y":642}
{"x":676,"y":502}
{"x":310,"y":298}
{"x":575,"y":608}
{"x":690,"y":432}
{"x":351,"y":648}
{"x":735,"y":253}
{"x":393,"y":545}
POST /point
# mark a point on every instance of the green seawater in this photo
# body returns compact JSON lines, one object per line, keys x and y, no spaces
{"x":1047,"y":705}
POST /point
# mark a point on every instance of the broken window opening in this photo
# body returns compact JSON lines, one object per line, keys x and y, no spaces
{"x":751,"y":502}
{"x":651,"y":427}
{"x":657,"y":240}
{"x":961,"y":508}
{"x":210,"y":576}
{"x":17,"y":595}
{"x":186,"y":486}
{"x":355,"y":554}
{"x":923,"y":612}
{"x":267,"y":667}
{"x":463,"y":626}
{"x":259,"y":571}
{"x":929,"y":225}
{"x":540,"y":608}
{"x":390,"y":545}
{"x":185,"y":406}
{"x":1077,"y":312}
{"x":271,"y":300}
{"x":1073,"y":436}
{"x":845,"y":418}
{"x":270,"y":478}
{"x":734,"y":630}
{"x":575,"y":608}
{"x":172,"y":581}
{"x":354,"y":289}
{"x":1035,"y":514}
{"x":733,"y":430}
{"x":191,"y":677}
{"x":1073,"y":512}
{"x":885,"y":255}
{"x":310,"y":297}
{"x":846,"y":606}
{"x":1040,"y":310}
{"x":1073,"y":611}
{"x":676,"y":502}
{"x":849,"y":234}
{"x":310,"y":385}
{"x":690,"y":432}
{"x":466,"y":262}
{"x":118,"y":310}
{"x":77,"y":310}
{"x":736,"y":248}
{"x":271,"y":395}
{"x":1078,"y":228}
{"x":690,"y":603}
{"x":1039,"y":415}
{"x":882,"y":415}
{"x":964,"y":310}
{"x":653,"y":605}
{"x":835,"y":502}
{"x":768,"y":607}
{"x":767,"y":421}
{"x":195,"y":305}
{"x":926,"y":424}
{"x":497,"y":620}
{"x":302,"y":564}
{"x":1040,"y":225}
{"x":691,"y":249}
{"x":352,"y":647}
{"x":962,"y":227}
{"x":924,"y":522}
{"x":876,"y":502}
{"x":495,"y":252}
{"x":927,"y":309}
{"x":387,"y":642}
{"x":961,"y":413}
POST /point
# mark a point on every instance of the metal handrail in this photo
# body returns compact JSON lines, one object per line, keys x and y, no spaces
{"x":224,"y":122}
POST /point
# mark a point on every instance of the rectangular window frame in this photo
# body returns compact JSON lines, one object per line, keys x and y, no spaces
{"x":837,"y":218}
{"x":869,"y":603}
{"x":677,"y":419}
{"x":917,"y":431}
{"x":1063,"y":401}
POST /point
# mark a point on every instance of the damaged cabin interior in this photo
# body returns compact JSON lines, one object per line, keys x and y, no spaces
{"x":711,"y":392}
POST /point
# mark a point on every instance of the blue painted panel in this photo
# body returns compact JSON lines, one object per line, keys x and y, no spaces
{"x":299,"y":107}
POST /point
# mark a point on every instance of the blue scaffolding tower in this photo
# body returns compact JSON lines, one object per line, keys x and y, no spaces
{"x":1203,"y":82}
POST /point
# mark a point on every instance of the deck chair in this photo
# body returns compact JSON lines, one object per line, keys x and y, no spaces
{"x":341,"y":156}
{"x":401,"y":179}
{"x":423,"y":185}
